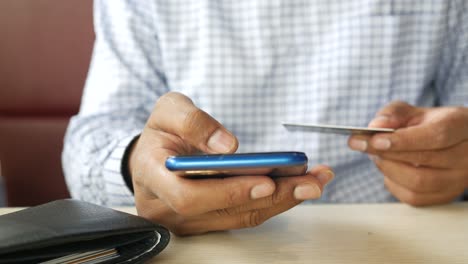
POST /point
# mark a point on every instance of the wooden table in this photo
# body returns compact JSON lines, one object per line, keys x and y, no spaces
{"x":367,"y":233}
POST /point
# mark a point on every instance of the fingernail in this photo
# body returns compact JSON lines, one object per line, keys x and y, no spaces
{"x":221,"y":141}
{"x":260,"y":191}
{"x":307,"y":191}
{"x":358,"y":144}
{"x":325,"y":177}
{"x":381,"y":143}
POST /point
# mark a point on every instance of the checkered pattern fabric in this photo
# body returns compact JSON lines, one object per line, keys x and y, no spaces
{"x":254,"y":64}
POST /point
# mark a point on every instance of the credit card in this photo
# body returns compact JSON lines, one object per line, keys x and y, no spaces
{"x":90,"y":257}
{"x":335,"y":129}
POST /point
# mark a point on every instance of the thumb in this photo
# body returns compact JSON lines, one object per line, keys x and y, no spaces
{"x":396,"y":114}
{"x":176,"y":114}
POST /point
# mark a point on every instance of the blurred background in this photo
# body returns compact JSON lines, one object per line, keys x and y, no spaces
{"x":45,"y":48}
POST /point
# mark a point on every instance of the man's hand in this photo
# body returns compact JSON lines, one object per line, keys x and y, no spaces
{"x":425,"y":161}
{"x":188,"y":206}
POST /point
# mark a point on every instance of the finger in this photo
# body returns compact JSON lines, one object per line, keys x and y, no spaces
{"x":419,"y":199}
{"x":198,"y":224}
{"x":449,"y":158}
{"x":243,"y":220}
{"x":310,"y":186}
{"x":246,"y":215}
{"x":395,"y":115}
{"x":419,"y":179}
{"x":191,"y":197}
{"x":254,"y":213}
{"x":159,"y":212}
{"x":176,"y":114}
{"x":359,"y":142}
{"x":322,"y":173}
{"x":436,"y":128}
{"x":250,"y":214}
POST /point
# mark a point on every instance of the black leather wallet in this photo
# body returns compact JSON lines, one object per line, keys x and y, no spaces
{"x":71,"y":231}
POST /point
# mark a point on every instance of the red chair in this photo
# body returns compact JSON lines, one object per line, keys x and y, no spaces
{"x":45,"y":50}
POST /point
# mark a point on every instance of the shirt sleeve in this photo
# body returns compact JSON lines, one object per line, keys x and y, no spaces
{"x":452,"y":75}
{"x":124,"y":80}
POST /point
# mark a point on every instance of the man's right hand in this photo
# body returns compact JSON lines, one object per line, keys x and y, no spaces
{"x":187,"y":206}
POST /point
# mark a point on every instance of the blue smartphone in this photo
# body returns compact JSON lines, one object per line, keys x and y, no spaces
{"x":273,"y":164}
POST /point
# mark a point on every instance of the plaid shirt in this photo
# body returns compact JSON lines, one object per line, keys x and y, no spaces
{"x":254,"y":64}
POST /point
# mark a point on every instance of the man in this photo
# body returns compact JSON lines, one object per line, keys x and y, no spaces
{"x":223,"y":75}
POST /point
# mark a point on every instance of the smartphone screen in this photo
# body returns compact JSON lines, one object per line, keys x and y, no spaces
{"x":274,"y":164}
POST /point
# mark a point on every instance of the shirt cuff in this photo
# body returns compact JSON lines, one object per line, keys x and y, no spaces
{"x":117,"y":184}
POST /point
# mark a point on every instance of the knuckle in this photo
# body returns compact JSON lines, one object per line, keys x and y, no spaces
{"x":170,"y":96}
{"x":192,"y":117}
{"x":233,"y":196}
{"x":191,"y":123}
{"x":399,"y":104}
{"x":160,"y":101}
{"x":277,"y":197}
{"x":225,"y":212}
{"x":396,"y":107}
{"x":165,"y":103}
{"x":164,"y":99}
{"x":252,"y":219}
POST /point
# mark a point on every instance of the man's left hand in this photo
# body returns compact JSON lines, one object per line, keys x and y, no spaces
{"x":425,"y":161}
